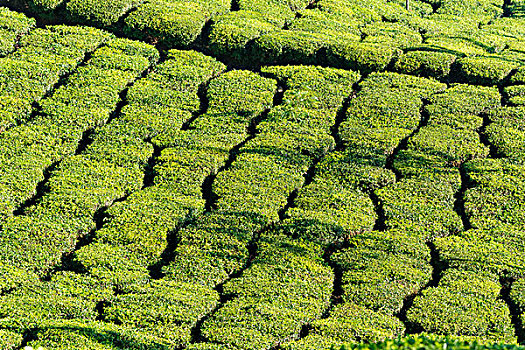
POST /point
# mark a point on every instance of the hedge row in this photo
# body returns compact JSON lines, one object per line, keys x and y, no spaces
{"x":89,"y":335}
{"x":386,"y":111}
{"x":450,"y":135}
{"x":491,"y":249}
{"x":28,"y":148}
{"x":370,"y":35}
{"x":175,"y":192}
{"x":231,"y":33}
{"x":309,"y":220}
{"x":116,"y":259}
{"x":431,"y":341}
{"x":495,"y":199}
{"x":379,"y":268}
{"x":282,"y":122}
{"x":81,"y":184}
{"x":506,"y":132}
{"x":466,"y":301}
{"x":95,"y":335}
{"x":135,"y":238}
{"x":44,"y":56}
{"x":186,"y":159}
{"x":12,"y":26}
{"x":175,"y":22}
{"x":286,"y":285}
{"x":460,"y":42}
{"x":152,"y":110}
{"x":100,"y":12}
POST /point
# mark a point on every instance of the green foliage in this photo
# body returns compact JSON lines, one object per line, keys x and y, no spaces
{"x":496,"y":195}
{"x":487,"y":70}
{"x":425,"y":63}
{"x":241,"y":92}
{"x":176,"y":22}
{"x":391,"y":34}
{"x":496,"y":250}
{"x":327,"y":211}
{"x":515,"y":95}
{"x":429,"y":204}
{"x":191,"y":204}
{"x":489,"y":8}
{"x":100,"y":12}
{"x":231,"y":33}
{"x":10,"y":340}
{"x":464,"y":304}
{"x":12,"y":25}
{"x":363,"y":57}
{"x":284,"y":288}
{"x":506,"y":132}
{"x":348,"y":322}
{"x":382,"y":268}
{"x":165,"y":309}
{"x":289,"y":47}
{"x":429,"y":341}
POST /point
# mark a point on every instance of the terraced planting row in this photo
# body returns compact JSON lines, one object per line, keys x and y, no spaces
{"x":246,"y":175}
{"x":478,"y":42}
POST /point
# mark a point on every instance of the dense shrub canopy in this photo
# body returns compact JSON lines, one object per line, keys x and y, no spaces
{"x":262,"y":174}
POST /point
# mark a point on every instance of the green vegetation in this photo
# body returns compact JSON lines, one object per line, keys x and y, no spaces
{"x":249,"y":174}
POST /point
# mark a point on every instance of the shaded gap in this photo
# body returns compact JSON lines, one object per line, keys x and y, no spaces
{"x":482,"y":131}
{"x":28,"y":336}
{"x":235,"y":6}
{"x":149,"y":169}
{"x":343,"y":111}
{"x":168,"y":254}
{"x":41,"y":190}
{"x":196,"y":331}
{"x":403,"y":144}
{"x":312,"y":4}
{"x":484,"y":139}
{"x":459,"y":204}
{"x":438,"y":267}
{"x":203,"y":106}
{"x":308,"y":179}
{"x":340,"y":118}
{"x":208,"y":195}
{"x":514,"y":309}
{"x":99,"y":309}
{"x":507,"y":8}
{"x":380,"y":224}
{"x":202,"y":39}
{"x":85,"y":141}
{"x":337,"y":291}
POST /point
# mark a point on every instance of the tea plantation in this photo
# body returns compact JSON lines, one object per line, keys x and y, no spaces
{"x":262,"y":174}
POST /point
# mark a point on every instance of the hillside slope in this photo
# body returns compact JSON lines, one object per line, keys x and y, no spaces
{"x":260,"y":174}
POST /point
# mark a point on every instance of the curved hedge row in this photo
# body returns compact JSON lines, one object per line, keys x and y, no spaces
{"x":351,"y":172}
